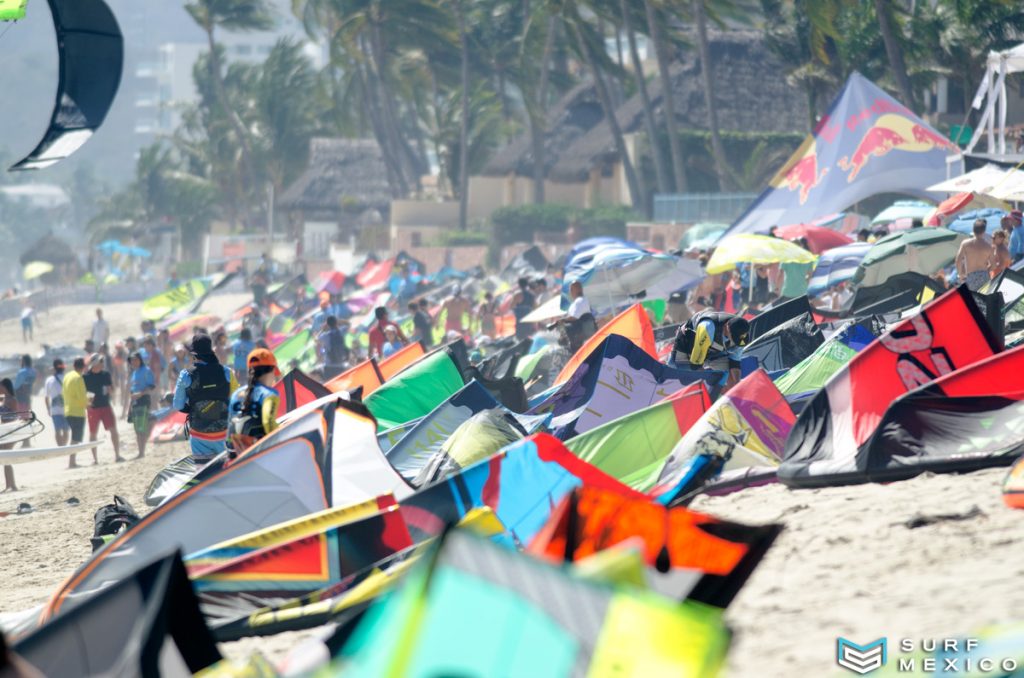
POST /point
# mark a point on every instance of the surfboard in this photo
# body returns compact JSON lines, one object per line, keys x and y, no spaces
{"x":27,"y":454}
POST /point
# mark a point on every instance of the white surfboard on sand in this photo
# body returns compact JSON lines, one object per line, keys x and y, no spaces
{"x":27,"y":454}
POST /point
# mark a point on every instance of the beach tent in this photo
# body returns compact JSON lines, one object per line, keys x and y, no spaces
{"x":90,"y":56}
{"x":147,"y":623}
{"x":416,"y":391}
{"x":296,"y":389}
{"x":326,"y":457}
{"x":478,"y":609}
{"x":866,"y":143}
{"x":591,"y":520}
{"x":830,"y":434}
{"x":612,"y":446}
{"x":836,"y":266}
{"x":618,"y":378}
{"x":815,"y":370}
{"x":633,"y":324}
{"x":786,"y":345}
{"x":747,"y":427}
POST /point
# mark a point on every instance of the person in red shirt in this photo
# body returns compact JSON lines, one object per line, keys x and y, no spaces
{"x":376,"y":334}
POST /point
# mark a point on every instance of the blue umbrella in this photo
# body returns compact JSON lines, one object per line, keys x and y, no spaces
{"x":964,"y":223}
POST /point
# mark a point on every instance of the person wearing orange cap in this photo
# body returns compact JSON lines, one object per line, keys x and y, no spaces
{"x":252,"y":412}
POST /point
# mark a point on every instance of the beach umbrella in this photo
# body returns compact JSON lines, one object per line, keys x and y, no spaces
{"x":903,"y":209}
{"x":819,"y":238}
{"x":918,"y":250}
{"x":612,"y":271}
{"x":35,"y":269}
{"x":747,"y":248}
{"x":837,"y":265}
{"x":965,"y":222}
{"x":702,"y":235}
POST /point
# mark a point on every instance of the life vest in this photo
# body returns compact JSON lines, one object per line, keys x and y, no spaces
{"x":207,"y":398}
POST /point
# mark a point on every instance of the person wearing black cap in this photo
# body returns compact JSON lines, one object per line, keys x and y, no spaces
{"x":712,"y":340}
{"x":203,"y":393}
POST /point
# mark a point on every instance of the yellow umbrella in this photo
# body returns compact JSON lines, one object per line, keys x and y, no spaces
{"x":755,"y":249}
{"x":34,"y":269}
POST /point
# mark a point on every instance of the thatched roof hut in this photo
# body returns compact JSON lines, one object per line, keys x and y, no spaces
{"x":345,"y":180}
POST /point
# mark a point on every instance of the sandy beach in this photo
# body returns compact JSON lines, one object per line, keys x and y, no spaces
{"x":848,"y":563}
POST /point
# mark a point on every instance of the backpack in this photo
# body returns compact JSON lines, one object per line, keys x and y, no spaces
{"x":208,"y":396}
{"x":111,"y":520}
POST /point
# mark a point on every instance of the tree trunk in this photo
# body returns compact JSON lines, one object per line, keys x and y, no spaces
{"x":236,"y":123}
{"x":635,"y":189}
{"x":660,"y":171}
{"x":667,"y":102}
{"x":894,"y":52}
{"x":717,"y":150}
{"x":460,"y":12}
{"x":539,"y":115}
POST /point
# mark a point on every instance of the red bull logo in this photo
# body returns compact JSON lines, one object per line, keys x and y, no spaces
{"x":803,"y":175}
{"x":891,"y":132}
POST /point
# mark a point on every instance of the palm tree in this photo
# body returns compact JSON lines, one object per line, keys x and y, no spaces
{"x":888,"y":26}
{"x":667,"y":103}
{"x":232,"y":15}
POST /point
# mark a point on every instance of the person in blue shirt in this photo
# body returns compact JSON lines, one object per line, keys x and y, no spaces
{"x":240,"y":351}
{"x":203,"y":392}
{"x":253,"y":408}
{"x":141,"y":384}
{"x":1017,"y":237}
{"x":24,"y":380}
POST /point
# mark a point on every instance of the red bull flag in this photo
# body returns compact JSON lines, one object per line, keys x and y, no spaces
{"x":867,"y":143}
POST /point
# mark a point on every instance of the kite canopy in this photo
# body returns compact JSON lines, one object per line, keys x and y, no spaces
{"x":828,"y":441}
{"x":90,"y":51}
{"x":755,"y":249}
{"x":919,"y":250}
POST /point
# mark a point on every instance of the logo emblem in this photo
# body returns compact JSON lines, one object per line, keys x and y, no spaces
{"x":861,"y":659}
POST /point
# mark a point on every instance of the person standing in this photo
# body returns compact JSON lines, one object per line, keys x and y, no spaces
{"x":99,"y":384}
{"x":1000,"y":254}
{"x":24,"y":381}
{"x":7,"y":414}
{"x":974,"y":258}
{"x":100,"y":329}
{"x":241,"y":349}
{"x":203,"y":393}
{"x":333,"y":349}
{"x":1017,"y":236}
{"x":75,"y":401}
{"x":26,"y":322}
{"x":141,"y":387}
{"x":53,"y":395}
{"x":253,"y":408}
{"x":376,"y":334}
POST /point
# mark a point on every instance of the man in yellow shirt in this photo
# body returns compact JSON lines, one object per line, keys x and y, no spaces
{"x":75,"y":402}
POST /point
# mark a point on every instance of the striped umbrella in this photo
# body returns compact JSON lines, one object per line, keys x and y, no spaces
{"x":837,"y":265}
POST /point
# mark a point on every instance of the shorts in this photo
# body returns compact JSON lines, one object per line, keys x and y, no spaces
{"x":98,"y":415}
{"x":59,"y":423}
{"x":77,"y":426}
{"x":139,"y":416}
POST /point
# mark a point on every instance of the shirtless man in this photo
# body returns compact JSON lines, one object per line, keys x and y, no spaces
{"x":455,"y":305}
{"x":972,"y":261}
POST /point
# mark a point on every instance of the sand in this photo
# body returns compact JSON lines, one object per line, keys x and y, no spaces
{"x":847,"y":563}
